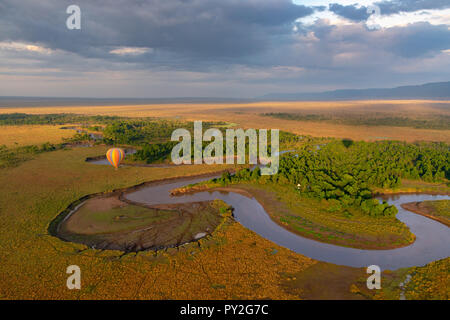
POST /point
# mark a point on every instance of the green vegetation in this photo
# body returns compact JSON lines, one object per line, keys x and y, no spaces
{"x":314,"y":218}
{"x":35,"y":192}
{"x":438,"y":123}
{"x":137,"y":131}
{"x":322,"y":221}
{"x":154,"y":152}
{"x":346,"y":173}
{"x":10,"y":157}
{"x":152,"y":135}
{"x":324,"y":190}
{"x":141,"y":132}
{"x":57,"y":118}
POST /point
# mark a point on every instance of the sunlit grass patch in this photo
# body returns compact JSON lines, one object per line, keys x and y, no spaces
{"x":34,"y":263}
{"x":15,"y":136}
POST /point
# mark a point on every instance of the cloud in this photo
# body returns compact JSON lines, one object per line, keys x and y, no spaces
{"x":397,"y":6}
{"x":190,"y":29}
{"x":419,"y":39}
{"x":358,"y":13}
{"x":351,"y":12}
{"x":27,"y":47}
{"x":411,"y":41}
{"x":130,"y":51}
{"x":211,"y":48}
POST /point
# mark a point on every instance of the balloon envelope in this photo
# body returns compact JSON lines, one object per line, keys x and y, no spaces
{"x":115,"y":156}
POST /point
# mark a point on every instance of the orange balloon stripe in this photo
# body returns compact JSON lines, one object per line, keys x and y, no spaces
{"x":108,"y":156}
{"x":120,"y":154}
{"x":115,"y":156}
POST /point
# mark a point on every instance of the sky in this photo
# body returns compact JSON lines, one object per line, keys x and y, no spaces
{"x":226,"y":48}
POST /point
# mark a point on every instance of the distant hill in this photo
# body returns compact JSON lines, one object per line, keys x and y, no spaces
{"x":437,"y":90}
{"x":432,"y":91}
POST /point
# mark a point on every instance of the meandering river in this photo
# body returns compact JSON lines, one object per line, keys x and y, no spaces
{"x":432,"y":238}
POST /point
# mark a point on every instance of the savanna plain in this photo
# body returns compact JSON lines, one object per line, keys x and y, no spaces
{"x":59,"y":208}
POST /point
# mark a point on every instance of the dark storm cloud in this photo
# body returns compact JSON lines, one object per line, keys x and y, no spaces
{"x":412,"y":41}
{"x":419,"y":39}
{"x":184,"y":28}
{"x":211,"y":47}
{"x":397,"y":6}
{"x":357,"y":13}
{"x":350,"y":12}
{"x":191,"y":34}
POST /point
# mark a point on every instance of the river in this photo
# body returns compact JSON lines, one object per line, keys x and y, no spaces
{"x":432,"y":237}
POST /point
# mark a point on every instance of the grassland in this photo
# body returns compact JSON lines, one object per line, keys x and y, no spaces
{"x":441,"y":122}
{"x":109,"y":214}
{"x":429,"y":282}
{"x":111,"y":223}
{"x":248,"y":115}
{"x":16,"y":136}
{"x":233,"y":263}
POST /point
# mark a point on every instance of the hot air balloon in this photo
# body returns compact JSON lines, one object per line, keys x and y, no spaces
{"x":114,"y":156}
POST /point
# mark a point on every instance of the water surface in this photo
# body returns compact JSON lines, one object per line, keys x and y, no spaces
{"x":432,"y":237}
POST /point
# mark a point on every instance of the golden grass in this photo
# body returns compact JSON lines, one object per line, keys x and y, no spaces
{"x":430,"y":282}
{"x":248,"y":115}
{"x":234,"y":263}
{"x":15,"y":136}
